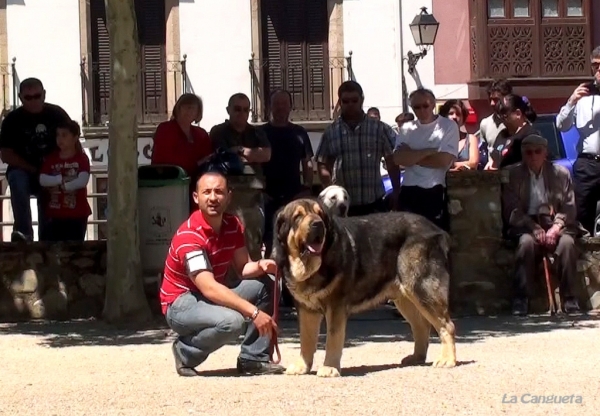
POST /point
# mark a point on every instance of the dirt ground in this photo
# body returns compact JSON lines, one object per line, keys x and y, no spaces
{"x":86,"y":368}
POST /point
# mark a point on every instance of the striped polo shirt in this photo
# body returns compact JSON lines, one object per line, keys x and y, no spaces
{"x":193,"y":235}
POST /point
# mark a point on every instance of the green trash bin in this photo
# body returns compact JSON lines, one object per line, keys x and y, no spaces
{"x":163,"y":205}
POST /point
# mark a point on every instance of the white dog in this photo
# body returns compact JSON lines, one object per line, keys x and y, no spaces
{"x":336,"y":199}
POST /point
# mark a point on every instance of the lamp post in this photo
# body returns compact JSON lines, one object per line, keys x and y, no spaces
{"x":424,"y":30}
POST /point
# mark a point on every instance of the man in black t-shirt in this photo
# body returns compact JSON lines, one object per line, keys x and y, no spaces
{"x":27,"y":135}
{"x":290,"y":149}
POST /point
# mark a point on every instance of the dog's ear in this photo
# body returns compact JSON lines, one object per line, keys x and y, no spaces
{"x":281,"y":229}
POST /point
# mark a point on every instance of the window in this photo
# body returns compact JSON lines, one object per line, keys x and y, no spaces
{"x":521,"y":8}
{"x":295,"y":55}
{"x":530,"y":38}
{"x":550,"y":8}
{"x":152,"y":32}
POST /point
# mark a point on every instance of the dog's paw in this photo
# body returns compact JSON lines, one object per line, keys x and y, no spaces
{"x":445,"y":362}
{"x":328,"y":372}
{"x":298,"y":368}
{"x":411,"y":360}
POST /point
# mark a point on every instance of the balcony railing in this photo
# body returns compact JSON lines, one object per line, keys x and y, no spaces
{"x":154,"y":94}
{"x":313,"y":87}
{"x":10,"y":87}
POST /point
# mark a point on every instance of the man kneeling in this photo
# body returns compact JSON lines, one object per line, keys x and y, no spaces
{"x":198,"y":306}
{"x":539,"y":209}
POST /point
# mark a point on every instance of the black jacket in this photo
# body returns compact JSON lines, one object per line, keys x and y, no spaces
{"x":513,"y":154}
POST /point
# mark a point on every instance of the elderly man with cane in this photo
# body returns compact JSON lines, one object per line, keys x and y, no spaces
{"x":539,"y":208}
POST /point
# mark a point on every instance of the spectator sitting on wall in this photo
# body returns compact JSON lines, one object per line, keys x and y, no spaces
{"x":27,"y":135}
{"x":539,"y":210}
{"x":178,"y":142}
{"x":491,"y":126}
{"x":238,"y":135}
{"x":198,"y":304}
{"x":517,"y":115}
{"x":65,"y":175}
{"x":468,"y":145}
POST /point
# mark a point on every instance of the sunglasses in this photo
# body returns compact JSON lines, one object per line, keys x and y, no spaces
{"x":350,"y":101}
{"x":32,"y":97}
{"x":240,"y":109}
{"x":421,"y":107}
{"x":531,"y":152}
{"x":595,"y":66}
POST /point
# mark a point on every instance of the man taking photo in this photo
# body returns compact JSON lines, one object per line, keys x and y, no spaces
{"x":198,"y":306}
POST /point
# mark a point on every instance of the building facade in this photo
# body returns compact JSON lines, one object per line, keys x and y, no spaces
{"x":218,"y":48}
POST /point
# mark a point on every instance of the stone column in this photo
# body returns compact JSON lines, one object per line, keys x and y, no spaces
{"x":247,"y":205}
{"x":481,"y":265}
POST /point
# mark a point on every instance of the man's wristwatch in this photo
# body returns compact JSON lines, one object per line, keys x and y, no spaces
{"x":253,"y":316}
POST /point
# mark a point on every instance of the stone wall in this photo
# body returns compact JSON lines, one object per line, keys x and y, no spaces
{"x":60,"y":281}
{"x":67,"y":280}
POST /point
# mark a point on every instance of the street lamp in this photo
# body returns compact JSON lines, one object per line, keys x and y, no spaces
{"x":424,"y":29}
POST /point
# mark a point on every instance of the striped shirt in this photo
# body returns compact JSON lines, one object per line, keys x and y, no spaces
{"x":357,"y":157}
{"x":195,"y":234}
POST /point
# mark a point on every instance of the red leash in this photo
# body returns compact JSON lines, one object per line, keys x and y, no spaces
{"x":274,"y":347}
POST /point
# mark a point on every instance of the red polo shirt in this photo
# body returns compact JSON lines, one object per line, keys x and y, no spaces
{"x":195,"y":234}
{"x":171,"y":146}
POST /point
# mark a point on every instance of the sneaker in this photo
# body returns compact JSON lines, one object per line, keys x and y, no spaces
{"x":251,"y":367}
{"x":520,"y":307}
{"x":181,"y":369}
{"x":571,"y":306}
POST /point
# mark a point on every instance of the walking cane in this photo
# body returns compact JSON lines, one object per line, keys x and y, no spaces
{"x":551,"y":302}
{"x":546,"y":261}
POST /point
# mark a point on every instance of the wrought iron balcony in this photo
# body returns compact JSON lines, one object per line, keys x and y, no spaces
{"x":313,"y":86}
{"x":154,"y":94}
{"x":10,"y":87}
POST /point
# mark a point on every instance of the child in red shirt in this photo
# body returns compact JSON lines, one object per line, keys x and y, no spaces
{"x":65,"y":175}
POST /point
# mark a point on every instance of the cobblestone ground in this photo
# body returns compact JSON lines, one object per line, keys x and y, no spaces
{"x":85,"y":368}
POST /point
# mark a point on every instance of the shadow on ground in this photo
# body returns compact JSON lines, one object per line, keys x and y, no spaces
{"x":375,"y":326}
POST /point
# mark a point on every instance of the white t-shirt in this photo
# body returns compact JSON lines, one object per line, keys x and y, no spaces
{"x":442,"y":134}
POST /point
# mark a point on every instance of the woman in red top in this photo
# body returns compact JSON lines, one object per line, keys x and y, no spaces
{"x":177,"y":142}
{"x":65,"y":175}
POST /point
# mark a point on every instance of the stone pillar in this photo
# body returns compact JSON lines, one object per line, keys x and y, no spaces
{"x":247,"y":205}
{"x":481,"y":264}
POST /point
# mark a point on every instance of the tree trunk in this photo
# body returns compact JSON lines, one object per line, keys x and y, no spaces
{"x":125,"y":298}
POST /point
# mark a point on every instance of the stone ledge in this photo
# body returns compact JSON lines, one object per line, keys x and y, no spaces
{"x":54,"y":281}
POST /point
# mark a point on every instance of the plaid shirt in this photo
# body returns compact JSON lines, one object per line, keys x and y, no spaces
{"x":357,"y":157}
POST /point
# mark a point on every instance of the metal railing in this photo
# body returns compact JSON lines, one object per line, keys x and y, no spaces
{"x":313,"y":87}
{"x":10,"y":86}
{"x":154,"y":94}
{"x":97,"y":199}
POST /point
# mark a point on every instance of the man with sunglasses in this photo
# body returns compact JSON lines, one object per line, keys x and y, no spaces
{"x":582,"y":110}
{"x":427,"y":148}
{"x":539,"y":206}
{"x":28,"y":133}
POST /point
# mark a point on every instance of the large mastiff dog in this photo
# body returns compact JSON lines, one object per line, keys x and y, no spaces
{"x":335,"y":267}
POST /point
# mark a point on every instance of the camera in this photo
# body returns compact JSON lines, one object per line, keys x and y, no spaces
{"x":593,"y":88}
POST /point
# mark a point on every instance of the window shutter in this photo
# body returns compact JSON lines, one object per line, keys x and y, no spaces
{"x":152,"y":31}
{"x":317,"y":57}
{"x":100,"y":75}
{"x":295,"y":56}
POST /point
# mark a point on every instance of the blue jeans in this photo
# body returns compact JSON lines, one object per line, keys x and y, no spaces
{"x":204,"y":327}
{"x":23,"y":185}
